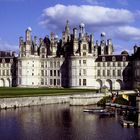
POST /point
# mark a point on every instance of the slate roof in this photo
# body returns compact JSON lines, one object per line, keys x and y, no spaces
{"x":6,"y":54}
{"x":112,"y":58}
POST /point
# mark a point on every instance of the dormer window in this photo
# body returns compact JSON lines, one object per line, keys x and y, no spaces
{"x":11,"y":60}
{"x":113,"y":58}
{"x":103,"y":59}
{"x":43,"y":50}
{"x":3,"y":60}
{"x":124,"y":58}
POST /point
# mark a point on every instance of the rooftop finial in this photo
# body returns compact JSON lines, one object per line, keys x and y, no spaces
{"x":29,"y":28}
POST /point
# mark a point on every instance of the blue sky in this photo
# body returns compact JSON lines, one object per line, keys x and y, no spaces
{"x":119,"y":19}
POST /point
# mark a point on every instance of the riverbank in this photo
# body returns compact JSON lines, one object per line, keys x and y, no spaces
{"x":14,"y":92}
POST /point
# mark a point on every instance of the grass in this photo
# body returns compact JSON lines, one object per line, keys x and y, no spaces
{"x":29,"y":92}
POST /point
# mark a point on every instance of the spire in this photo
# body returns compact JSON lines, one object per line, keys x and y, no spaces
{"x":67,"y":28}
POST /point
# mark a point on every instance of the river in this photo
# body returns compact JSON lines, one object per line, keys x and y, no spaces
{"x":61,"y":122}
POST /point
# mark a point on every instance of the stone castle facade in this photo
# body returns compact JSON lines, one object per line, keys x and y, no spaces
{"x":75,"y":61}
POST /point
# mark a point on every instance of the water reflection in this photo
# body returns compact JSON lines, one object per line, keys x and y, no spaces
{"x":60,"y":122}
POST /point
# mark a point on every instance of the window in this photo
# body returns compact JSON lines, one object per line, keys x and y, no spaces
{"x":103,"y":64}
{"x":98,"y":64}
{"x":54,"y":72}
{"x":11,"y":61}
{"x":108,"y":64}
{"x":46,"y":64}
{"x":84,"y":72}
{"x":119,"y":72}
{"x":46,"y":81}
{"x":51,"y":64}
{"x":84,"y":62}
{"x":55,"y":82}
{"x":3,"y":72}
{"x":3,"y":60}
{"x":32,"y":74}
{"x":103,"y":59}
{"x":51,"y":73}
{"x":124,"y":58}
{"x":84,"y":82}
{"x":113,"y":64}
{"x":79,"y":82}
{"x":113,"y":58}
{"x":42,"y":72}
{"x":43,"y":50}
{"x":84,"y":47}
{"x":50,"y":81}
{"x":119,"y":64}
{"x":42,"y":64}
{"x":7,"y":72}
{"x":80,"y":62}
{"x":80,"y":72}
{"x":103,"y":72}
{"x":55,"y":64}
{"x":58,"y":64}
{"x":58,"y":72}
{"x":114,"y":73}
{"x":58,"y":81}
{"x":42,"y":81}
{"x":46,"y":72}
{"x":98,"y":73}
{"x":108,"y":72}
{"x":84,"y":53}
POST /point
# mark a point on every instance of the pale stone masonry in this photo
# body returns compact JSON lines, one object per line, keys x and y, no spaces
{"x":76,"y":61}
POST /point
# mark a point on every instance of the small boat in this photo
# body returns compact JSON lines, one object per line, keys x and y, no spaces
{"x":94,"y":110}
{"x":107,"y":114}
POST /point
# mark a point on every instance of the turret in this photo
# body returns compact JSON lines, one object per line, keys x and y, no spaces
{"x":110,"y":47}
{"x":102,"y":43}
{"x":67,"y":28}
{"x":66,"y":33}
{"x":28,"y":41}
{"x":75,"y":33}
{"x":135,"y":48}
{"x":82,"y":30}
{"x":75,"y":41}
{"x":42,"y":48}
{"x":21,"y":47}
{"x":92,"y":43}
{"x":35,"y":45}
{"x":54,"y":47}
{"x":28,"y":35}
{"x":96,"y":49}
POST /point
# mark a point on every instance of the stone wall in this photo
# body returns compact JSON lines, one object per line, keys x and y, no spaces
{"x":83,"y":99}
{"x":30,"y":101}
{"x":87,"y":99}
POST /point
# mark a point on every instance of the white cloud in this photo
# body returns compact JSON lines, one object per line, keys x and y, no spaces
{"x":5,"y":46}
{"x":54,"y":18}
{"x":128,"y":33}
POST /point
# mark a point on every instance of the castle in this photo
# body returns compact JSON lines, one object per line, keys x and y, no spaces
{"x":75,"y":61}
